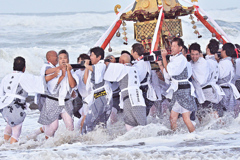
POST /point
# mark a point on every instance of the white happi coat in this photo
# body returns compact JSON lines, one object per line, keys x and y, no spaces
{"x":81,"y":86}
{"x":120,"y":71}
{"x":144,"y":67}
{"x":237,"y":70}
{"x":63,"y":88}
{"x":213,"y":78}
{"x":205,"y":73}
{"x":29,"y":83}
{"x":159,"y":86}
{"x":43,"y":73}
{"x":175,"y":67}
{"x":100,"y":68}
{"x":226,"y":68}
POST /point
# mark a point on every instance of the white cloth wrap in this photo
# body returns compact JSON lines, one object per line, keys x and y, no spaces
{"x":144,"y":67}
{"x":29,"y":83}
{"x":100,"y":68}
{"x":120,"y":71}
{"x":81,"y":86}
{"x":175,"y":67}
{"x":226,"y":68}
{"x":42,"y":73}
{"x":63,"y":88}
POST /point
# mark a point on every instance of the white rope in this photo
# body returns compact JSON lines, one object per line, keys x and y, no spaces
{"x":156,"y":30}
{"x":104,"y":36}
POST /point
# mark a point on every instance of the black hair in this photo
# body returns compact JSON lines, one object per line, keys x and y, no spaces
{"x":179,"y":41}
{"x":109,"y":56}
{"x":185,"y":48}
{"x":83,"y":56}
{"x":63,"y":52}
{"x":98,"y":51}
{"x":195,"y":46}
{"x":213,"y":46}
{"x":138,"y":47}
{"x":124,"y":51}
{"x":19,"y":64}
{"x":230,"y":49}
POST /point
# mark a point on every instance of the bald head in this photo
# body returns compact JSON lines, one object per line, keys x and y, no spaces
{"x":52,"y":57}
{"x":125,"y":58}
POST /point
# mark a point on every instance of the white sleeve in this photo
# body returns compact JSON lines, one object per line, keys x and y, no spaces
{"x":167,"y":77}
{"x":223,"y":69}
{"x":201,"y":72}
{"x":99,"y":70}
{"x":33,"y":84}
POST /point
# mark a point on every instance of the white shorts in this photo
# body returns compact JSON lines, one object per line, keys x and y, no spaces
{"x":179,"y":109}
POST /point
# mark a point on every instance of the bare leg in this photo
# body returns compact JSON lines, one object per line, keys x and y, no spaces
{"x":68,"y":121}
{"x":13,"y":140}
{"x":16,"y":131}
{"x":173,"y":120}
{"x":51,"y":129}
{"x":128,"y":127}
{"x":113,"y":116}
{"x":153,"y":111}
{"x":82,"y":122}
{"x":42,"y":129}
{"x":187,"y":121}
{"x":36,"y":133}
{"x":7,"y":132}
{"x":6,"y":137}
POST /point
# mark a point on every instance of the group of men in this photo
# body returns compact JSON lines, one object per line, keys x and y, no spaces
{"x":106,"y":88}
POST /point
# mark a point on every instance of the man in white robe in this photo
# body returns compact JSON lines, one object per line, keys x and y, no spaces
{"x":226,"y":74}
{"x":205,"y":75}
{"x":131,"y":100}
{"x":100,"y":92}
{"x":181,"y":91}
{"x":81,"y":106}
{"x":144,"y":71}
{"x":14,"y":89}
{"x":50,"y":65}
{"x":115,"y":94}
{"x":59,"y":100}
{"x":209,"y":94}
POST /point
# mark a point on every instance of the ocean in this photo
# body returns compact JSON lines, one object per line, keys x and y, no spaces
{"x":32,"y":35}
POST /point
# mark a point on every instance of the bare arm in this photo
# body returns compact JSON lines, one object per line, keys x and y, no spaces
{"x":89,"y":67}
{"x":63,"y":74}
{"x":71,"y":80}
{"x":165,"y":63}
{"x":51,"y":70}
{"x":160,"y":64}
{"x":50,"y":77}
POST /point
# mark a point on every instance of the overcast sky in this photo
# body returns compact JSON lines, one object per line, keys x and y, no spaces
{"x":49,"y":6}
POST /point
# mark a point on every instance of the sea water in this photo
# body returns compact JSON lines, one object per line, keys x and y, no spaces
{"x":32,"y":35}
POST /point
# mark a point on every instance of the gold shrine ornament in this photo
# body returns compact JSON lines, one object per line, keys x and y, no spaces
{"x":116,"y":8}
{"x":145,"y":4}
